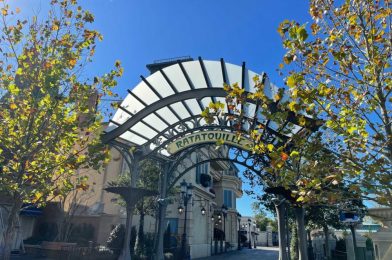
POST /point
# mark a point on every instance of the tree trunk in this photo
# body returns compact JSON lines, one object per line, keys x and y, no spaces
{"x":10,"y":231}
{"x":326,"y":242}
{"x":280,"y":207}
{"x":352,"y":228}
{"x":300,"y":219}
{"x":140,"y":235}
{"x":288,"y":234}
{"x":294,"y":243}
{"x":310,"y":247}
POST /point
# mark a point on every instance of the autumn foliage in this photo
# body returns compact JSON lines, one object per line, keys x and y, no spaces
{"x":50,"y":124}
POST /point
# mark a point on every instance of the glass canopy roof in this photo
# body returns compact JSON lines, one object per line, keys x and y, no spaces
{"x":166,"y":100}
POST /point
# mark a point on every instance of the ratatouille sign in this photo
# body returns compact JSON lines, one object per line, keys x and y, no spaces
{"x":208,"y":137}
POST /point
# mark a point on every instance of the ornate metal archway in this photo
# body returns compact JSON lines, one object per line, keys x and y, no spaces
{"x":167,"y":105}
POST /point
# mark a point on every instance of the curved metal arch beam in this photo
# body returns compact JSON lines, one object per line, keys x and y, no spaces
{"x":211,"y":126}
{"x":126,"y":147}
{"x":181,"y":156}
{"x":211,"y":160}
{"x":189,"y":94}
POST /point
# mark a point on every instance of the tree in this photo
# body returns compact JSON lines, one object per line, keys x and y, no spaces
{"x":262,"y":221}
{"x":148,"y":179}
{"x":50,"y":124}
{"x":301,"y":172}
{"x":69,"y":205}
{"x":291,"y":173}
{"x":324,"y":217}
{"x":339,"y":70}
{"x":116,"y":239}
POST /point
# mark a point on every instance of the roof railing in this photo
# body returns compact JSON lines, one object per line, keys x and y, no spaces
{"x":180,"y":58}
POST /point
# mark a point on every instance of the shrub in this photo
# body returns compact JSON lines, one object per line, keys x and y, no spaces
{"x":116,"y":238}
{"x":340,"y":245}
{"x":167,"y":238}
{"x":133,"y":239}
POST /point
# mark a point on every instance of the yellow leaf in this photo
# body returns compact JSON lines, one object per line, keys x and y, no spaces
{"x":291,"y":81}
{"x":72,"y":62}
{"x":17,"y":10}
{"x":4,"y":11}
{"x":279,"y":164}
{"x":301,"y":121}
{"x":13,"y":106}
{"x":56,"y":26}
{"x":37,"y":196}
{"x":270,"y":147}
{"x":293,"y":106}
{"x":14,"y":90}
{"x":351,"y":129}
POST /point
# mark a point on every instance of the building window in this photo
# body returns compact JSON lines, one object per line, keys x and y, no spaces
{"x":228,"y":198}
{"x":173,"y":222}
{"x":200,"y":169}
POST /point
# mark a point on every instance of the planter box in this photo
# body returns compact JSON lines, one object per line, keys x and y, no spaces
{"x":46,"y":245}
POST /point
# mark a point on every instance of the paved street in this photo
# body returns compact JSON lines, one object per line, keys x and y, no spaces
{"x":262,"y":253}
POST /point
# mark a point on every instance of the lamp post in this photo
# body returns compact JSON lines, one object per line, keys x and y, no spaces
{"x":224,"y":213}
{"x":239,"y":231}
{"x":212,"y":230}
{"x":250,"y":235}
{"x":186,"y":195}
{"x":254,"y":231}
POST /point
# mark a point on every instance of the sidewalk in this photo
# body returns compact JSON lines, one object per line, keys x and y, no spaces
{"x":265,"y":253}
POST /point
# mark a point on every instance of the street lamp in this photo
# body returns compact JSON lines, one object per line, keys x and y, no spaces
{"x":186,"y":195}
{"x":254,"y":231}
{"x":224,"y":212}
{"x":239,"y":230}
{"x":250,"y":235}
{"x":212,"y":228}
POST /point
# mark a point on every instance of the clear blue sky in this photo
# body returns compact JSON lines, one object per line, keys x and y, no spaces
{"x":137,"y":32}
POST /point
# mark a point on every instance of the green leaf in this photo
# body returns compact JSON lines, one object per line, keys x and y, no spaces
{"x":302,"y":34}
{"x":14,"y":90}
